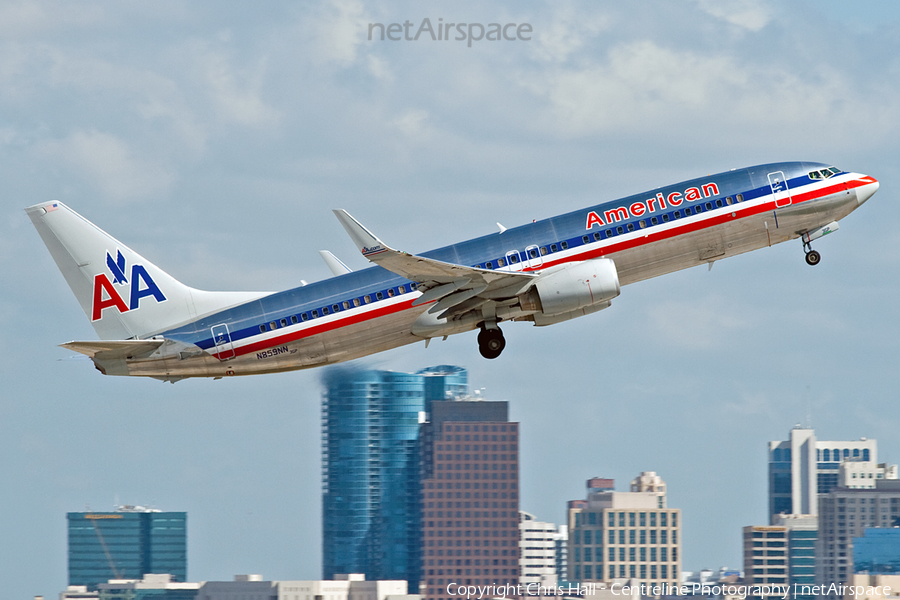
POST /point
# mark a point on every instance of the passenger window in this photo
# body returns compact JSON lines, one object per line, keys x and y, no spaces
{"x":324,"y":310}
{"x":719,"y":203}
{"x":564,"y":245}
{"x":729,"y":201}
{"x":284,"y":322}
{"x":620,"y":230}
{"x":642,"y":223}
{"x":654,"y":221}
{"x":273,"y":325}
{"x":687,"y":212}
{"x":739,"y":197}
{"x":379,"y":296}
{"x":356,"y":302}
{"x":698,"y":209}
{"x":262,"y":328}
{"x":315,"y":314}
{"x":488,"y":265}
{"x":585,"y":239}
{"x":533,"y":253}
{"x":346,"y":304}
{"x":543,"y":250}
{"x":367,"y":298}
{"x":304,"y":317}
{"x":390,"y":292}
{"x":709,"y":206}
{"x":666,"y":218}
{"x":513,"y":258}
{"x":553,"y":248}
{"x":294,"y":319}
{"x":412,"y":286}
{"x":500,"y":262}
{"x":335,"y":308}
{"x":402,"y":289}
{"x":597,"y":236}
{"x":677,"y":214}
{"x":609,"y":233}
{"x":630,"y":227}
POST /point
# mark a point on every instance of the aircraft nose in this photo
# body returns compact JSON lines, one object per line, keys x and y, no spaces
{"x":865,"y":192}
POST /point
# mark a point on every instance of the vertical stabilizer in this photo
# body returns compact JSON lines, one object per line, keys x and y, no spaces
{"x":124,"y":295}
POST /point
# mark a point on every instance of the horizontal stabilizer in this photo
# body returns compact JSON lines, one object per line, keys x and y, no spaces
{"x":114,"y":348}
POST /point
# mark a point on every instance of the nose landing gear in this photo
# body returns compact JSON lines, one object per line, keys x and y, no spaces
{"x":812,"y":257}
{"x":490,"y":340}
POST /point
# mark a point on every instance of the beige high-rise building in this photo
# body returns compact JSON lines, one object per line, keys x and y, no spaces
{"x":633,"y":535}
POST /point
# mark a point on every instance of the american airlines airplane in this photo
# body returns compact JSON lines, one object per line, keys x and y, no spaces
{"x":544,"y":272}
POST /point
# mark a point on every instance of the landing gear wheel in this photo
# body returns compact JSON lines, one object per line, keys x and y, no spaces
{"x":813,"y":258}
{"x":491,"y":343}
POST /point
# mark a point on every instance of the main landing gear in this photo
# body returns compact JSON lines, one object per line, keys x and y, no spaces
{"x":490,"y":340}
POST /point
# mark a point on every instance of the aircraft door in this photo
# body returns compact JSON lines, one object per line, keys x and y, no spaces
{"x":780,"y":189}
{"x":222,"y":340}
{"x":513,"y":260}
{"x":533,"y":257}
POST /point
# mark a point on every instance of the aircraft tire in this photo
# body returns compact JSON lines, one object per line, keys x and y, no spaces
{"x":813,"y":258}
{"x":491,"y":343}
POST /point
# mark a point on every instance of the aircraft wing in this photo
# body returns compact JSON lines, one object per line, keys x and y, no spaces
{"x":457,"y":288}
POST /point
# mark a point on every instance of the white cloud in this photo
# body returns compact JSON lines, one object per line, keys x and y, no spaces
{"x":236,"y":93}
{"x":108,"y":162}
{"x":567,"y":33}
{"x":751,"y":15}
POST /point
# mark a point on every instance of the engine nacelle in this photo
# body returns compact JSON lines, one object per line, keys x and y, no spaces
{"x":573,"y":287}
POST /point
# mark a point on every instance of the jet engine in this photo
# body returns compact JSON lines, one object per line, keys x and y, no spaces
{"x":571,"y":291}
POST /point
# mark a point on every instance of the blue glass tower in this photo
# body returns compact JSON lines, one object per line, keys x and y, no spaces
{"x":126,"y":544}
{"x":370,"y":462}
{"x":877,"y":552}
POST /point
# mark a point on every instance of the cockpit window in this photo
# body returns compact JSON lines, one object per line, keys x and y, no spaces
{"x":824,"y":173}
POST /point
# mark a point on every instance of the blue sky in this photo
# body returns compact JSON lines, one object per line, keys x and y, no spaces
{"x":214,"y":139}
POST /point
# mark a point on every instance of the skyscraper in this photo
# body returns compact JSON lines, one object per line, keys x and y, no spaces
{"x":470,"y":496}
{"x":846,"y":514}
{"x":126,"y":544}
{"x":803,"y":467}
{"x":370,"y":468}
{"x":614,"y":535}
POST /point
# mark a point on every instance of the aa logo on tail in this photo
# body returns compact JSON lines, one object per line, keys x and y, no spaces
{"x":107,"y":296}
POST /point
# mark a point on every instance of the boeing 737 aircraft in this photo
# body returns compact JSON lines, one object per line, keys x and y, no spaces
{"x":545,"y":272}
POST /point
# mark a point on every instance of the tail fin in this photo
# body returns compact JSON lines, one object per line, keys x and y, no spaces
{"x":124,"y":295}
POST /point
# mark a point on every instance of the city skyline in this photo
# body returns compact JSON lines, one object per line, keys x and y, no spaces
{"x":216,"y":138}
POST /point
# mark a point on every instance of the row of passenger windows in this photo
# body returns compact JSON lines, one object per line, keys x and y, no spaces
{"x":335,"y":308}
{"x":514,"y":256}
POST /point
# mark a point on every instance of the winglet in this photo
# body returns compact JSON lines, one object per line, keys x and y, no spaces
{"x":336,"y":265}
{"x":364,"y":239}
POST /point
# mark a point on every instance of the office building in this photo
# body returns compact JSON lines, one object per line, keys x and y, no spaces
{"x":126,"y":544}
{"x":616,"y":535}
{"x":877,"y":552}
{"x":370,"y":472}
{"x":150,"y":587}
{"x":352,"y":586}
{"x":765,"y":555}
{"x":845,"y":514}
{"x":802,"y":537}
{"x":470,"y":496}
{"x":537,"y":551}
{"x":561,"y":541}
{"x":803,"y":467}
